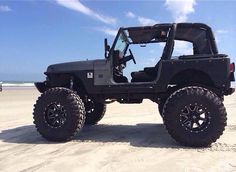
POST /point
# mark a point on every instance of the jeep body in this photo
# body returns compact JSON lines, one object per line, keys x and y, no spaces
{"x":97,"y":78}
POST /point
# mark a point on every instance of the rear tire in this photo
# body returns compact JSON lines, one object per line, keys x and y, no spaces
{"x":194,"y":116}
{"x":59,"y":114}
{"x":95,"y":111}
{"x":163,"y":99}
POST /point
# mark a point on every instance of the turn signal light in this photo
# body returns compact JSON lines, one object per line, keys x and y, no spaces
{"x":232,"y":68}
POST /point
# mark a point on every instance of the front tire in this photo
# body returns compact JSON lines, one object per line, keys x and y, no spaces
{"x":95,"y":111}
{"x":160,"y":106}
{"x":194,"y":116}
{"x":59,"y":114}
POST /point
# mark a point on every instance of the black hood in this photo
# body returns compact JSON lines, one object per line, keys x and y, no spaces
{"x":71,"y":66}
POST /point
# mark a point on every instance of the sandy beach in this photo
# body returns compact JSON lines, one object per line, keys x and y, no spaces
{"x":129,"y":138}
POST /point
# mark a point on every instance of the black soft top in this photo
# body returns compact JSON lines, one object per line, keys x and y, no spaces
{"x":199,"y":34}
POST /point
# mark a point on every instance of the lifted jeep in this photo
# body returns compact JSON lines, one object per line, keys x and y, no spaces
{"x":189,"y":89}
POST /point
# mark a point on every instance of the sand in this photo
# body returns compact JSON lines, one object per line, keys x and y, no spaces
{"x":129,"y":138}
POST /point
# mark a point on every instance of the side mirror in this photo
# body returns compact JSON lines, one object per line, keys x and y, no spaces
{"x":106,"y":47}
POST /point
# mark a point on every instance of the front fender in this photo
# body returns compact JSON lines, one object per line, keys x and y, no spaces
{"x":42,"y":86}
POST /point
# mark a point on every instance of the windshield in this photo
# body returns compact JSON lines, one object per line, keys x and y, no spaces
{"x":121,"y":44}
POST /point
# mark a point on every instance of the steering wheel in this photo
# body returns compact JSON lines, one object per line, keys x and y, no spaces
{"x":132,"y":56}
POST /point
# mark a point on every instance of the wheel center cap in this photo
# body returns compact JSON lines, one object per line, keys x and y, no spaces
{"x":194,"y":117}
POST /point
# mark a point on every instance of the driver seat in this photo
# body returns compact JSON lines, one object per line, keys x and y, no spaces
{"x":118,"y":68}
{"x":146,"y":75}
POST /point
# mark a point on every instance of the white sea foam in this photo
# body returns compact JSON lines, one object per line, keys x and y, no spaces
{"x":17,"y":84}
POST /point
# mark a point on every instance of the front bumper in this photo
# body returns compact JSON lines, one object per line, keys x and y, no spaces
{"x":229,"y":91}
{"x":232,"y":78}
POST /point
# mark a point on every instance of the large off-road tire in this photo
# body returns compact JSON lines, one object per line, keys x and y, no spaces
{"x":194,"y":116}
{"x":59,"y":114}
{"x":160,"y":106}
{"x":94,"y":111}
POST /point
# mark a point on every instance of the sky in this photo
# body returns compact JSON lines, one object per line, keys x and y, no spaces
{"x":35,"y":34}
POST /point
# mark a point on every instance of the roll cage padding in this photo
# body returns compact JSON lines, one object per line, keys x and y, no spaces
{"x":169,"y":47}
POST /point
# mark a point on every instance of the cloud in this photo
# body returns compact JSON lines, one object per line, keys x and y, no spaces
{"x":222,"y":31}
{"x":182,"y":48}
{"x":141,"y":20}
{"x":217,"y":39}
{"x":129,"y":14}
{"x":219,"y":35}
{"x":76,"y":5}
{"x":150,"y":61}
{"x":162,"y":44}
{"x":180,"y":9}
{"x":146,"y":21}
{"x":5,"y":8}
{"x":108,"y":31}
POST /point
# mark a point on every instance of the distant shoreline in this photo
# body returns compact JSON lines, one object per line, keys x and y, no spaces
{"x":16,"y":85}
{"x":30,"y":85}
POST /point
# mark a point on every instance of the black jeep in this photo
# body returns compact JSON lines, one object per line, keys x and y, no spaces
{"x":189,"y":89}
